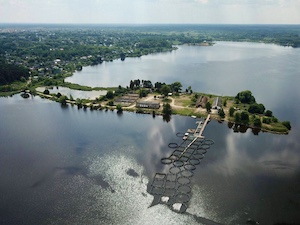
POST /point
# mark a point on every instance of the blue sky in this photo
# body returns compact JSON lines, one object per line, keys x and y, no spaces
{"x":151,"y":11}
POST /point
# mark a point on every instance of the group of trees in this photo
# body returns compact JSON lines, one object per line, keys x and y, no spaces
{"x":137,"y":84}
{"x":141,"y":85}
{"x":243,"y":117}
{"x":160,"y":87}
{"x":165,"y":89}
{"x":258,"y":112}
{"x":10,"y":73}
{"x":154,"y":42}
{"x":246,"y":97}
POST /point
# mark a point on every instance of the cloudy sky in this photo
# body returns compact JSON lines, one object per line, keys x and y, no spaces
{"x":151,"y":11}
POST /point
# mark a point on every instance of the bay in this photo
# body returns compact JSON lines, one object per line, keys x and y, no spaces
{"x":61,"y":165}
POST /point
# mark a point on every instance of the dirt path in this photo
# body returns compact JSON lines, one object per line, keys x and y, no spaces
{"x":176,"y":106}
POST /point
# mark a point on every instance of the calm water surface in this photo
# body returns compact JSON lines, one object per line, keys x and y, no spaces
{"x":74,"y":93}
{"x":61,"y":165}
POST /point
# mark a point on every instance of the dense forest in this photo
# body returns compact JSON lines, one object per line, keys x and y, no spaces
{"x":10,"y":73}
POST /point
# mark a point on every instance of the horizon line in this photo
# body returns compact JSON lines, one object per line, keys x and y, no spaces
{"x":139,"y":24}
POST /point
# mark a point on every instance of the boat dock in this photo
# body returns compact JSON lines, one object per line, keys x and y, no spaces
{"x":200,"y":128}
{"x":198,"y":133}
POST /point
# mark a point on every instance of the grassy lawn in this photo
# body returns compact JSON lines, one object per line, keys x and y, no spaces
{"x":184,"y":101}
{"x":188,"y":112}
{"x":276,"y":127}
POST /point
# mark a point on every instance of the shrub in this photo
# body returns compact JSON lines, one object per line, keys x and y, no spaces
{"x":221,"y":113}
{"x":287,"y":124}
{"x":119,"y":108}
{"x":257,"y":122}
{"x":267,"y":120}
{"x":231,"y":111}
{"x":63,"y":99}
{"x":237,"y":117}
{"x":110,"y":103}
{"x":46,"y":92}
{"x":139,"y":110}
{"x":143,"y":93}
{"x":109,"y":95}
{"x":269,"y":113}
{"x":245,"y":117}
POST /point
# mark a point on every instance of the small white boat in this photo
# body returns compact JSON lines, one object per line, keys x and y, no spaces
{"x":185,"y":136}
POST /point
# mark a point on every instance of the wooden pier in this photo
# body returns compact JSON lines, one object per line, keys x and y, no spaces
{"x":198,"y":133}
{"x":201,"y":126}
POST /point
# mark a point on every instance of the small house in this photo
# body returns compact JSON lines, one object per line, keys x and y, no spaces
{"x":149,"y":105}
{"x":201,"y":101}
{"x":217,"y":103}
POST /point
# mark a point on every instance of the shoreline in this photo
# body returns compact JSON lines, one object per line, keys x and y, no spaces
{"x":177,"y":109}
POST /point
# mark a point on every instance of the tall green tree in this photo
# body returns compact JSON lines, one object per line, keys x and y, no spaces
{"x":167,"y":109}
{"x":208,"y":106}
{"x":245,"y":97}
{"x":176,"y":86}
{"x":158,"y":85}
{"x":165,"y":89}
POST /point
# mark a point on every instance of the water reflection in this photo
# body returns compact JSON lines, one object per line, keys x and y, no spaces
{"x":74,"y":93}
{"x":167,"y":118}
{"x":251,"y":155}
{"x":248,"y":174}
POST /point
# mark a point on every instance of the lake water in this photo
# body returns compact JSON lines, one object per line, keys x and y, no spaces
{"x":74,"y":93}
{"x":61,"y":165}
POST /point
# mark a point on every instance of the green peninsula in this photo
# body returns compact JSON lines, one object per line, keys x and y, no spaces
{"x":241,"y":112}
